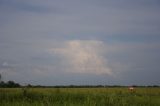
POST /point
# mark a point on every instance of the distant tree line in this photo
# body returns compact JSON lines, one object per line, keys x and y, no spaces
{"x":9,"y":84}
{"x":12,"y":84}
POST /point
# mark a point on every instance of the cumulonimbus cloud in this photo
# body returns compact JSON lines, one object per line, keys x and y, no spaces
{"x":84,"y":56}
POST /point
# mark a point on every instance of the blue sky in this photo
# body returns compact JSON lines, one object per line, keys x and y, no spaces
{"x":55,"y":42}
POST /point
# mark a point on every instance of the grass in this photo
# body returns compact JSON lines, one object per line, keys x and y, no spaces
{"x":79,"y":97}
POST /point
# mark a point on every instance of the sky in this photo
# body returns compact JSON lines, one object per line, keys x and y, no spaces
{"x":80,"y":42}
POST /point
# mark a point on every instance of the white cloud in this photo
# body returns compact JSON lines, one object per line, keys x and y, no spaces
{"x":84,"y":56}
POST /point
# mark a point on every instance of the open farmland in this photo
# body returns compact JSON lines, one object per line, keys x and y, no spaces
{"x":79,"y":97}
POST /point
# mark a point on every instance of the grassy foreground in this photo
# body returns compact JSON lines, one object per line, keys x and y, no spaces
{"x":79,"y":97}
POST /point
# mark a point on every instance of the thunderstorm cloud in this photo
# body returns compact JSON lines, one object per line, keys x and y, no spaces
{"x":64,"y":42}
{"x":84,"y":56}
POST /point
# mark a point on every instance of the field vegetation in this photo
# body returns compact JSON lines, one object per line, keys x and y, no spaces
{"x":79,"y":97}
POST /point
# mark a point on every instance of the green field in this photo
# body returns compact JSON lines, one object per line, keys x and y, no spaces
{"x":79,"y":97}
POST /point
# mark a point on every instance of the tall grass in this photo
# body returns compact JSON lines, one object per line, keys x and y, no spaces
{"x":79,"y":97}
